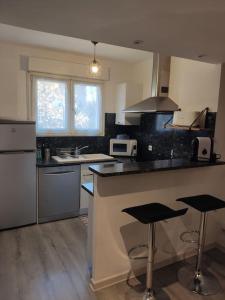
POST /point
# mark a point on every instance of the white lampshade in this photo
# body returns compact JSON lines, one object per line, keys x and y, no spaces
{"x":95,"y":66}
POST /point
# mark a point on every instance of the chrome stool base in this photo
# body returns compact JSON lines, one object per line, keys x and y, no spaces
{"x":151,"y":214}
{"x":147,"y":295}
{"x":156,"y":295}
{"x":204,"y":284}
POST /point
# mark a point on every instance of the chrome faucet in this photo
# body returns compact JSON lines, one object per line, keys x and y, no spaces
{"x":77,"y":150}
{"x":171,"y":154}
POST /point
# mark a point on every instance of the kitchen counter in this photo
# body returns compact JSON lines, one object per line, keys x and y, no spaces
{"x":148,"y":166}
{"x":54,"y":163}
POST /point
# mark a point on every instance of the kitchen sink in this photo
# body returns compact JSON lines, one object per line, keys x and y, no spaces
{"x":83,"y":158}
{"x":96,"y":156}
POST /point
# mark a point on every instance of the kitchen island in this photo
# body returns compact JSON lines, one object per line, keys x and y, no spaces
{"x":134,"y":167}
{"x":112,"y":233}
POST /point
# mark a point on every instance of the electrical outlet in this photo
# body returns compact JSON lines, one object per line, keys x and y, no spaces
{"x":149,"y":147}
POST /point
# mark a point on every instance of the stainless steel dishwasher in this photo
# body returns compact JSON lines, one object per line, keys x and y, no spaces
{"x":58,"y":193}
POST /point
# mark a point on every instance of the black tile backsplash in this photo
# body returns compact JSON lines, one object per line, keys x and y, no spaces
{"x":97,"y":144}
{"x":163,"y":140}
{"x":150,"y":132}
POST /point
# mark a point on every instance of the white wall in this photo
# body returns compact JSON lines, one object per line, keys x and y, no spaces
{"x":220,"y":119}
{"x":220,"y":148}
{"x":142,"y":73}
{"x":13,"y":87}
{"x":194,"y":85}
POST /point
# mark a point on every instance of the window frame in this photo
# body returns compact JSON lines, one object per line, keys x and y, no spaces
{"x":70,"y":81}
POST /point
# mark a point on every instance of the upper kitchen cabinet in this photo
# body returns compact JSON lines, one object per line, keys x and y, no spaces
{"x":127,"y":94}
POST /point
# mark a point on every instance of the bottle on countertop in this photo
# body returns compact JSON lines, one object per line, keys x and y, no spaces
{"x":39,"y":153}
{"x":43,"y":150}
{"x":47,"y":153}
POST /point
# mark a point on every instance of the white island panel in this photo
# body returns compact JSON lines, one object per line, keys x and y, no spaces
{"x":114,"y":233}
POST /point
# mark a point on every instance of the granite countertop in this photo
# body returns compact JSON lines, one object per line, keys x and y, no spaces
{"x":89,"y":187}
{"x":115,"y":169}
{"x":53,"y":163}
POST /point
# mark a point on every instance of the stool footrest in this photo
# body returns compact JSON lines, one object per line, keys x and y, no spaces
{"x":136,"y":257}
{"x":190,"y":241}
{"x":143,"y":246}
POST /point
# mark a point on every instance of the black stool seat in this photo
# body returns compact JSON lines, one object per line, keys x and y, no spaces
{"x":153,"y":212}
{"x":203,"y":203}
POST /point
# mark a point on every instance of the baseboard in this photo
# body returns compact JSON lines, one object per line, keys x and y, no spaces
{"x":101,"y":284}
{"x":57,"y":217}
{"x":109,"y":281}
{"x":83,"y":211}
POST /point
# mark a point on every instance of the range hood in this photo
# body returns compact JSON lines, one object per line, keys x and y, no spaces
{"x":159,"y":101}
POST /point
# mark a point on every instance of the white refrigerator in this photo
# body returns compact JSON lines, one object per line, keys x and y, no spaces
{"x":17,"y":174}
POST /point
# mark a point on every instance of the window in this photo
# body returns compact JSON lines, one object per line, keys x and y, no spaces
{"x":87,"y":103}
{"x":51,"y":105}
{"x":67,"y":107}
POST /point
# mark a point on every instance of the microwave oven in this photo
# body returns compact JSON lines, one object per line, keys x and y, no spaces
{"x":123,"y":147}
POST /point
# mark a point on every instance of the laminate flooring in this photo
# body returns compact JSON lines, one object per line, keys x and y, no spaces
{"x":48,"y":262}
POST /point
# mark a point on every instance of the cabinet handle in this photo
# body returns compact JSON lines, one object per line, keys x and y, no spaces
{"x":59,"y":173}
{"x":86,"y":175}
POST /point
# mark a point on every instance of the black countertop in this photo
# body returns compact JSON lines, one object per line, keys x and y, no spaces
{"x":115,"y":169}
{"x":53,"y":163}
{"x":89,"y":187}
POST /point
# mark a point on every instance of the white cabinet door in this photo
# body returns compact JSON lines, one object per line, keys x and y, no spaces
{"x":127,"y":94}
{"x":86,"y":176}
{"x":120,"y":103}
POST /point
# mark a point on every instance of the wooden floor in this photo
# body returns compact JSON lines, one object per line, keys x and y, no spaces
{"x":48,"y":262}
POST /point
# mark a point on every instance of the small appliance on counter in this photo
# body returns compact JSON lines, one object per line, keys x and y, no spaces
{"x":202,"y":149}
{"x":123,"y":147}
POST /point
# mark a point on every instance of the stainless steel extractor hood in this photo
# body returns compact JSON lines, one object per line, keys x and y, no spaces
{"x":159,"y":100}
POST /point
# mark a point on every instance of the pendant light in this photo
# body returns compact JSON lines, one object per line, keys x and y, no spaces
{"x":94,"y":66}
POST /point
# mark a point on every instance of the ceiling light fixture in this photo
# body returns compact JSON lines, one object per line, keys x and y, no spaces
{"x":138,"y":42}
{"x":202,"y":55}
{"x":94,"y":66}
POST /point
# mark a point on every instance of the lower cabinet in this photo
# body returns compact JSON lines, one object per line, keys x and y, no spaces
{"x":86,"y":176}
{"x":58,"y":193}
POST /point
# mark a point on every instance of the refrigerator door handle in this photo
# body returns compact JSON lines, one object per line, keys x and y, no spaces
{"x":16,"y":151}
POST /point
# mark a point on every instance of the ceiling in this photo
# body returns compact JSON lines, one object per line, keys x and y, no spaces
{"x":20,"y":35}
{"x":176,"y":27}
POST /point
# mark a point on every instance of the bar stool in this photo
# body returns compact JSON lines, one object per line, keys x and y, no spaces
{"x":150,"y":214}
{"x":200,"y":281}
